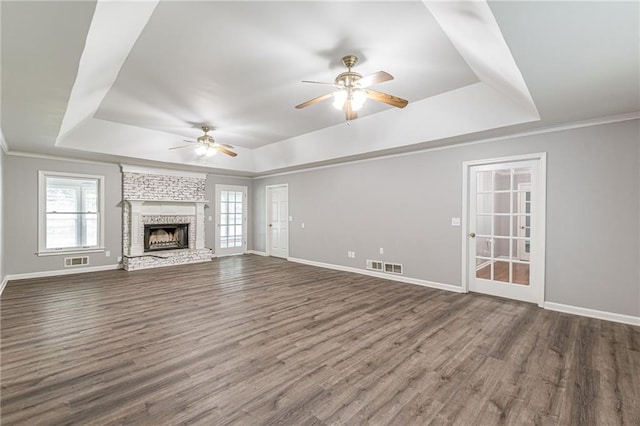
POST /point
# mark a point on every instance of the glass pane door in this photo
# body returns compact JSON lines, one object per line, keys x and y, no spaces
{"x":500,"y":210}
{"x":231,"y":219}
{"x":500,"y":220}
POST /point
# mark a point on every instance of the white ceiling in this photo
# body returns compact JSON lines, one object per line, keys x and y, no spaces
{"x":125,"y":81}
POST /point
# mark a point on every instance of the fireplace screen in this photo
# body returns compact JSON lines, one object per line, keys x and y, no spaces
{"x":166,"y":236}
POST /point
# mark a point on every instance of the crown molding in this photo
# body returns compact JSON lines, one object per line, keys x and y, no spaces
{"x":550,"y":129}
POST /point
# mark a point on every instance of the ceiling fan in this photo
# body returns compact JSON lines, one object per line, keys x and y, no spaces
{"x":207,"y":146}
{"x":353,"y":90}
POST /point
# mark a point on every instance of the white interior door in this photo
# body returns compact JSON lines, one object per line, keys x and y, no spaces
{"x":231,"y":220}
{"x":278,"y":221}
{"x":505,"y":235}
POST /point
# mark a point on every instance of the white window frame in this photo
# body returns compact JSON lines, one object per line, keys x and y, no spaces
{"x":42,"y":214}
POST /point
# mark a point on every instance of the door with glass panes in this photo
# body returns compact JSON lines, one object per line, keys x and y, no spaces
{"x":231,"y":220}
{"x":502,"y":214}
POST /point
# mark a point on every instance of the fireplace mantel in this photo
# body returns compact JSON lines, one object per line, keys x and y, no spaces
{"x":145,"y":201}
{"x":139,"y":208}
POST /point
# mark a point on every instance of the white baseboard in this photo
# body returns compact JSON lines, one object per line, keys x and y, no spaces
{"x":3,"y":285}
{"x":62,"y":272}
{"x":592,"y":313}
{"x":259,"y":253}
{"x":391,"y":277}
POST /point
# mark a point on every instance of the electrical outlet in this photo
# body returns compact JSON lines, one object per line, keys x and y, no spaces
{"x":353,"y":254}
{"x":381,"y":250}
{"x":302,"y":226}
{"x":210,"y":218}
{"x":119,"y":258}
{"x":107,"y":254}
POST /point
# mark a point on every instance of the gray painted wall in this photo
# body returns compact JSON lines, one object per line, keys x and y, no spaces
{"x":210,"y":189}
{"x":21,"y":213}
{"x":405,"y":205}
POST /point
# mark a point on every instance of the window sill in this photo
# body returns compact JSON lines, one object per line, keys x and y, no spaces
{"x":70,"y":251}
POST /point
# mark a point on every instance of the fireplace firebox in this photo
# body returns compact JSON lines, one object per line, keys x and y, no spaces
{"x":170,"y":236}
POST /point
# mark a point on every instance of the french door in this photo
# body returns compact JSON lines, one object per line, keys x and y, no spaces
{"x":505,"y":228}
{"x":278,"y":221}
{"x":231,"y":220}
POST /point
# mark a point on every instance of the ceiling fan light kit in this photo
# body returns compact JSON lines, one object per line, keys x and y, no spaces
{"x":207,"y":146}
{"x":353,"y":90}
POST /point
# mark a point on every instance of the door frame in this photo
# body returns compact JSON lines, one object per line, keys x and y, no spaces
{"x":267,"y":240}
{"x":245,"y":214}
{"x":537,"y":270}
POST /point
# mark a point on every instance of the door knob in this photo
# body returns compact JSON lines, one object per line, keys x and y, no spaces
{"x":270,"y":225}
{"x":472,"y":234}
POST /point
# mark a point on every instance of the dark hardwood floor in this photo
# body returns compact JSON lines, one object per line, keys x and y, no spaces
{"x":257,"y":341}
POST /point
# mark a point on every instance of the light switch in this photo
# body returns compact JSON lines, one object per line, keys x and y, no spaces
{"x":455,"y":221}
{"x":302,"y":225}
{"x":290,"y":218}
{"x":210,"y":218}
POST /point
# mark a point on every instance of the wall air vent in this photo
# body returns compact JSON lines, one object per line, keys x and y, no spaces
{"x":393,"y":268}
{"x":76,"y":261}
{"x":375,"y":265}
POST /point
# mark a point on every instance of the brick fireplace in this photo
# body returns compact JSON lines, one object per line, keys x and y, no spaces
{"x":168,"y":205}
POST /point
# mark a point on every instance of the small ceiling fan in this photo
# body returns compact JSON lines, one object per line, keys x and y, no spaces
{"x":207,"y":146}
{"x":353,"y":90}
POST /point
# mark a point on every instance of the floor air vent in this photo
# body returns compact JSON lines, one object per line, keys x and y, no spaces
{"x":375,"y":265}
{"x":393,"y":268}
{"x":76,"y":261}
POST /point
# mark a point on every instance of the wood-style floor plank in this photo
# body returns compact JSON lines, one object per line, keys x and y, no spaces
{"x":250,"y":340}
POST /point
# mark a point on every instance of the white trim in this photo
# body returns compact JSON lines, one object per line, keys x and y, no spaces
{"x":74,"y":251}
{"x":256,"y":252}
{"x":559,"y":128}
{"x":42,"y":189}
{"x":5,"y":149}
{"x":57,"y":272}
{"x":3,"y":284}
{"x":165,"y":201}
{"x":230,"y":254}
{"x":129,"y":168}
{"x":391,"y":277}
{"x":540,"y":225}
{"x":592,"y":313}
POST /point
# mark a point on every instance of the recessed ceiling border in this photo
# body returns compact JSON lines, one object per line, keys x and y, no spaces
{"x":500,"y":99}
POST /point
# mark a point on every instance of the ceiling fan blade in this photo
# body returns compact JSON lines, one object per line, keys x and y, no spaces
{"x":179,"y":147}
{"x":224,"y":150}
{"x":314,"y":100}
{"x":375,"y":78}
{"x":321,"y":82}
{"x":226,"y":145}
{"x":386,"y":98}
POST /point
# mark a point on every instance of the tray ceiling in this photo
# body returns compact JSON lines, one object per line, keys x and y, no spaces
{"x":129,"y":80}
